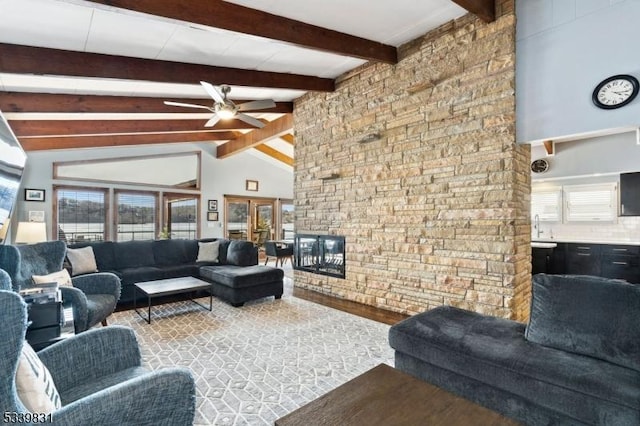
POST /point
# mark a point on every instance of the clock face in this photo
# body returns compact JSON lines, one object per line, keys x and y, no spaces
{"x":539,"y":166}
{"x":615,"y":92}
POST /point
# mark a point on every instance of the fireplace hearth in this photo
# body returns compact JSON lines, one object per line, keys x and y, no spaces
{"x":320,"y":254}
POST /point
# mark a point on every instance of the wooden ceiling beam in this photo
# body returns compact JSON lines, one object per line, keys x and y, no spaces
{"x":44,"y":61}
{"x":483,"y":9}
{"x":233,"y":17}
{"x":274,"y":153}
{"x":289,"y":138}
{"x":93,"y":127}
{"x":74,"y":142}
{"x":273,"y":129}
{"x":48,"y":102}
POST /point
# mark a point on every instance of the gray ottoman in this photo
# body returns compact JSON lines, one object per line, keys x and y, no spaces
{"x":239,"y":284}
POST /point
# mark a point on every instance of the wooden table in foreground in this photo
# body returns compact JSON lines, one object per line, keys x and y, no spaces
{"x":386,"y":396}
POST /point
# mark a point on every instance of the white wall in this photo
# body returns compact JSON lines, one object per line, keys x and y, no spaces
{"x":600,"y":155}
{"x":218,"y":177}
{"x":564,"y":48}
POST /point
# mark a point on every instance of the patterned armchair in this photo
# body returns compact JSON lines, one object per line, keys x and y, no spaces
{"x":93,"y":296}
{"x":98,"y":375}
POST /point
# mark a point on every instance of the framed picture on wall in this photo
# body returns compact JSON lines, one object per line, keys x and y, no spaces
{"x":252,"y":185}
{"x":33,"y":194}
{"x":36,"y":216}
{"x":212,"y":216}
{"x":213,"y":205}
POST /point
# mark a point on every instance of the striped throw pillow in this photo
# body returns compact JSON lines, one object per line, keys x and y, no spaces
{"x":34,"y":383}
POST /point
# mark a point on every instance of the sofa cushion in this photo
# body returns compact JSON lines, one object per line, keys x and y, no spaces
{"x":134,"y":254}
{"x":241,"y":276}
{"x":103,"y":252}
{"x":142,"y":273}
{"x":587,"y":315}
{"x":82,"y":260}
{"x":494,"y":351}
{"x":175,"y":271}
{"x":242,"y":253}
{"x":173,"y":252}
{"x":208,"y":252}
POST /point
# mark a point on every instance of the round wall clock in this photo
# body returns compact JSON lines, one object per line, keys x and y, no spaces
{"x":615,"y":92}
{"x":540,"y":166}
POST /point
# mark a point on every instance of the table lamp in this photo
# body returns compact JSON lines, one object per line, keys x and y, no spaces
{"x":31,"y":232}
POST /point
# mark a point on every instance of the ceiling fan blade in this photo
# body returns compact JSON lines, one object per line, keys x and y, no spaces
{"x":250,"y":120}
{"x":180,"y":104}
{"x":212,"y":92}
{"x":212,"y":121}
{"x":261,"y":104}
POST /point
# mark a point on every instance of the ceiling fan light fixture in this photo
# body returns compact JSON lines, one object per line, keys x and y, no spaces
{"x":226,"y":113}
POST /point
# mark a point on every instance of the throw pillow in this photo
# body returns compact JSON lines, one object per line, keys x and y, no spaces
{"x":587,"y":315}
{"x":34,"y":384}
{"x":60,"y":277}
{"x":82,"y":260}
{"x":208,"y":252}
{"x":242,"y":253}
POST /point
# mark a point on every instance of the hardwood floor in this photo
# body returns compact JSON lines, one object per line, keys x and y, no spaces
{"x":365,"y":311}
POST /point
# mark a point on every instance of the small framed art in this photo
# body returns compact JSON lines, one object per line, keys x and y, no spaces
{"x":36,"y":216}
{"x":33,"y":194}
{"x":213,"y":205}
{"x":212,"y":216}
{"x":252,"y":185}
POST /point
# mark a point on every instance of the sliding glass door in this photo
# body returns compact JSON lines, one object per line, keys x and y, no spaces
{"x":252,"y":219}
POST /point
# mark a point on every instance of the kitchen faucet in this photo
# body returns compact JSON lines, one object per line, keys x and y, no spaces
{"x":536,"y":226}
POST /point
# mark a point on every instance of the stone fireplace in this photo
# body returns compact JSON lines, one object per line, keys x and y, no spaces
{"x":435,"y":207}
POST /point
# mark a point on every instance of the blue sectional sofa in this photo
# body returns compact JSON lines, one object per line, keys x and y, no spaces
{"x":577,"y":361}
{"x":137,"y":261}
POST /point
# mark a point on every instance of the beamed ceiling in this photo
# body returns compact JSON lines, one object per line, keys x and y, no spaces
{"x":79,"y":74}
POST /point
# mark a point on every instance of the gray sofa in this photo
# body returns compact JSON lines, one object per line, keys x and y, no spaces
{"x":235,"y":276}
{"x":576,"y":362}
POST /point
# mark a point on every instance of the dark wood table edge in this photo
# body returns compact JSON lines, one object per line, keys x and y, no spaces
{"x":310,"y":414}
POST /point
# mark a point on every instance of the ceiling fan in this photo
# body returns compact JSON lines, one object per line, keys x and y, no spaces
{"x":224,"y":108}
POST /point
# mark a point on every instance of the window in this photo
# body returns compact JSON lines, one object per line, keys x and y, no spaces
{"x":181,"y":219}
{"x":589,"y":203}
{"x":136,"y":216}
{"x":546,"y":204}
{"x":80,"y":214}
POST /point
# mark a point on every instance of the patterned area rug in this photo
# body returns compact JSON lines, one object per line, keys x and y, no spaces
{"x":257,"y":363}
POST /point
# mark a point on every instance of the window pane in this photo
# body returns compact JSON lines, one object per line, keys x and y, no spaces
{"x":237,"y":218}
{"x":591,"y":202}
{"x":136,"y":216}
{"x":183,"y":218}
{"x":288,"y":219}
{"x":81,"y":215}
{"x":546,"y":205}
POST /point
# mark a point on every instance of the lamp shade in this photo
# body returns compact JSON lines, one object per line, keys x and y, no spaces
{"x":31,"y":232}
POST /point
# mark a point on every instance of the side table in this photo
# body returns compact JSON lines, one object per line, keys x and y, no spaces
{"x":49,"y":323}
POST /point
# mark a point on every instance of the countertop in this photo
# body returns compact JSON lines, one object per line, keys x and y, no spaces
{"x":583,"y":241}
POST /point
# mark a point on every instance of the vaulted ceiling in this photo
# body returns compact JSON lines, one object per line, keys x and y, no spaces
{"x":79,"y":74}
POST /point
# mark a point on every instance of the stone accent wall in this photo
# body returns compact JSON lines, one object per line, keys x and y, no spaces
{"x":436,"y":210}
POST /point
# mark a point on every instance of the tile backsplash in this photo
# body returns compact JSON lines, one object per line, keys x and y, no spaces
{"x":626,"y":230}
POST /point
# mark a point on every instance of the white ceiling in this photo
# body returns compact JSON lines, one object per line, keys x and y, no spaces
{"x":89,"y":27}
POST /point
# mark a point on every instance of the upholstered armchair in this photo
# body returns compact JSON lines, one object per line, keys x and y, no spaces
{"x":280,"y":253}
{"x":98,"y":375}
{"x":93,"y":296}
